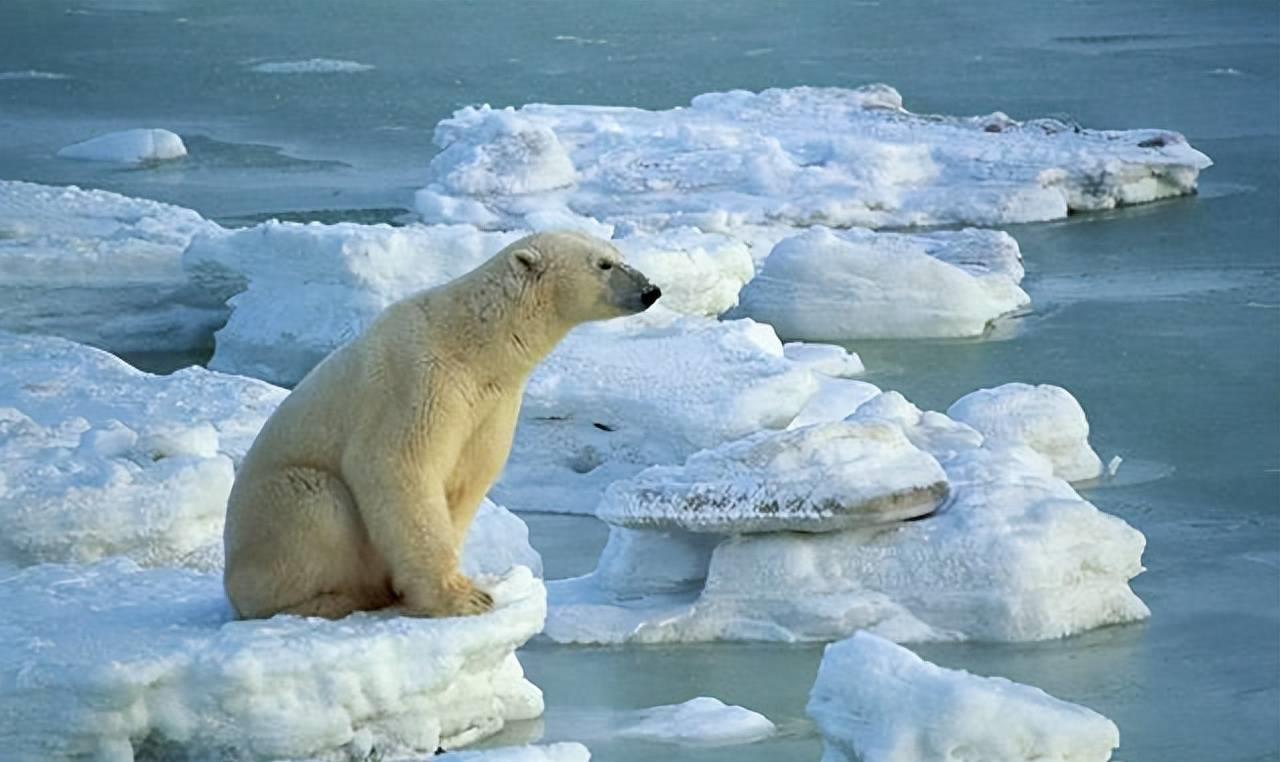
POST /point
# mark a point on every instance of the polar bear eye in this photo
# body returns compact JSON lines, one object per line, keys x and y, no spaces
{"x":605,"y":265}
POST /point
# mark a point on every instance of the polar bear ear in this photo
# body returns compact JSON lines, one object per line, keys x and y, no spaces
{"x":528,"y":259}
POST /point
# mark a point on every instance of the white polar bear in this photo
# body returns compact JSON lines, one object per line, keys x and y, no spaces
{"x":358,"y":491}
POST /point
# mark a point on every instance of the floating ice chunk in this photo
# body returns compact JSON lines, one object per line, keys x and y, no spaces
{"x":702,"y":721}
{"x":835,"y":285}
{"x":800,"y":156}
{"x":878,"y":702}
{"x":108,"y":660}
{"x":101,"y":268}
{"x":819,"y":478}
{"x":1045,"y":418}
{"x":556,"y":752}
{"x":31,"y":74}
{"x":1014,"y":555}
{"x":297,"y":292}
{"x":616,"y":397}
{"x":128,"y":147}
{"x":311,"y":66}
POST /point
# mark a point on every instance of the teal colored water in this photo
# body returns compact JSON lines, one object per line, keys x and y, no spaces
{"x":1163,"y":320}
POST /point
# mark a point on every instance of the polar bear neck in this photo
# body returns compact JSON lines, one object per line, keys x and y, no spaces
{"x":493,"y":321}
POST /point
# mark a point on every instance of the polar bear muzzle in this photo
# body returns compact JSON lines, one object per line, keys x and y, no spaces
{"x":631,"y":290}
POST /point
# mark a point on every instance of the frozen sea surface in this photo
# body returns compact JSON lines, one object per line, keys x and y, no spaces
{"x":1162,"y":320}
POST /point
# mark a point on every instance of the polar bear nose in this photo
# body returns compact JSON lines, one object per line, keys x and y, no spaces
{"x":650,"y":295}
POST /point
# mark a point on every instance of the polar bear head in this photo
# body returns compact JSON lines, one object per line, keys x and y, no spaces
{"x":583,"y":277}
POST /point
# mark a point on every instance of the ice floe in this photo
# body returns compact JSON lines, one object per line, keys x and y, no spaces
{"x":878,"y":702}
{"x":100,"y":459}
{"x":616,"y":397}
{"x":101,"y":268}
{"x":102,"y":661}
{"x":800,"y":156}
{"x":826,"y":285}
{"x":297,"y":292}
{"x":1045,"y":418}
{"x":702,"y":721}
{"x":31,"y":74}
{"x":1014,"y":554}
{"x":128,"y":147}
{"x":311,"y":66}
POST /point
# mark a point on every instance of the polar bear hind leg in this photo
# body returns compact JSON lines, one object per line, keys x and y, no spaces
{"x":312,"y":557}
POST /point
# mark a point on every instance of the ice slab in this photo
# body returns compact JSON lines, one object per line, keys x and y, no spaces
{"x":702,"y":721}
{"x":128,"y":147}
{"x":799,"y":156}
{"x":102,"y":661}
{"x":297,"y":292}
{"x":878,"y":702}
{"x":819,"y":478}
{"x":311,"y":66}
{"x":1045,"y":418}
{"x":826,"y":285}
{"x":1015,"y":554}
{"x":101,"y":268}
{"x":100,"y":459}
{"x":556,"y":752}
{"x":617,"y":397}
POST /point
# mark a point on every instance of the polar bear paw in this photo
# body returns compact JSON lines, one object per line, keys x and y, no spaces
{"x":457,"y":596}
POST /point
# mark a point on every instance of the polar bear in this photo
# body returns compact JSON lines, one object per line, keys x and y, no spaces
{"x":358,"y":491}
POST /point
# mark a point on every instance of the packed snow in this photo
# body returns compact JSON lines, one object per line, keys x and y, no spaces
{"x":128,"y":147}
{"x":297,"y":292}
{"x":312,"y":66}
{"x":100,"y":459}
{"x":101,"y":268}
{"x":702,"y":721}
{"x":619,"y":396}
{"x":1045,"y":418}
{"x":799,"y":156}
{"x":826,"y":285}
{"x":102,"y":661}
{"x":878,"y":702}
{"x":817,"y":478}
{"x":1015,"y":554}
{"x":556,"y":752}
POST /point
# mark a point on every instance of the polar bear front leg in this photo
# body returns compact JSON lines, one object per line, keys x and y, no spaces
{"x":408,"y":521}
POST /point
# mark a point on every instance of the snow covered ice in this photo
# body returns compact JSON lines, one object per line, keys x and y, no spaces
{"x":101,"y":268}
{"x":825,"y":285}
{"x":1015,"y":554}
{"x":703,"y":721}
{"x":878,"y":702}
{"x":800,"y":156}
{"x":105,"y":660}
{"x":100,"y":459}
{"x":556,"y":752}
{"x":1045,"y":418}
{"x":128,"y":147}
{"x":817,"y":478}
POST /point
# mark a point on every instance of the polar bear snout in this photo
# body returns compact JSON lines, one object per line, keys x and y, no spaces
{"x":650,"y":295}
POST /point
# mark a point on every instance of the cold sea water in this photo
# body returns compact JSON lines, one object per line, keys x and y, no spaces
{"x":1164,"y":320}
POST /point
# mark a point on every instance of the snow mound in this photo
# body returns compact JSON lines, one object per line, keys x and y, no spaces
{"x":556,"y":752}
{"x":616,"y":397}
{"x":297,"y":292}
{"x":1045,"y":418}
{"x":812,"y":479}
{"x":878,"y":702}
{"x":99,"y":459}
{"x":101,"y":268}
{"x":800,"y":156}
{"x":128,"y":147}
{"x":826,"y":285}
{"x":107,"y":660}
{"x":702,"y":721}
{"x":311,"y":66}
{"x":1015,"y":554}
